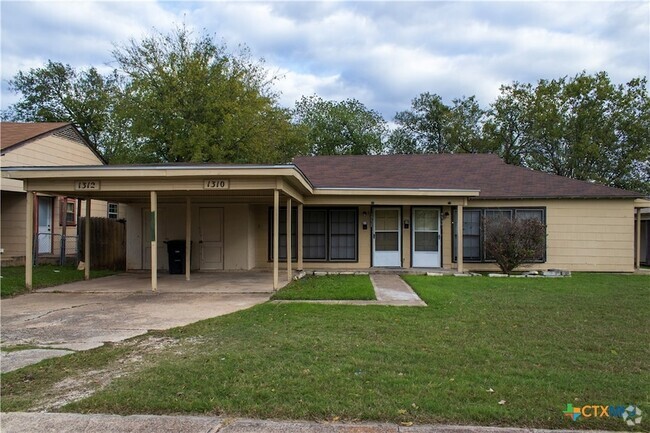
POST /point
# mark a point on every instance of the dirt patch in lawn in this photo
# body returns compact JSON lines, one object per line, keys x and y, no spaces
{"x":86,"y":383}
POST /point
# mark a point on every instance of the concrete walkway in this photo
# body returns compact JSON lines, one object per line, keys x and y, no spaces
{"x":19,"y":422}
{"x":390,"y":289}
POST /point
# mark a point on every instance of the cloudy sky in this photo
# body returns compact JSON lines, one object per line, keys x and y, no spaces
{"x":381,"y":53}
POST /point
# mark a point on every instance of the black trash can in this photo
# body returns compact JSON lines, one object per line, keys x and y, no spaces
{"x":176,"y":254}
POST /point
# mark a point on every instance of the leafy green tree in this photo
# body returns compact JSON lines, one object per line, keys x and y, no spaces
{"x":503,"y":131}
{"x":464,"y":125}
{"x":422,"y":129}
{"x":189,"y":99}
{"x":340,"y":128}
{"x":588,"y":128}
{"x":59,"y":93}
{"x":431,"y":126}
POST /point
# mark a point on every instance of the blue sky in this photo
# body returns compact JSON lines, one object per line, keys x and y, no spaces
{"x":382,"y":53}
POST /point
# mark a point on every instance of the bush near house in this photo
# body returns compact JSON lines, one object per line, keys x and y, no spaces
{"x":513,"y":242}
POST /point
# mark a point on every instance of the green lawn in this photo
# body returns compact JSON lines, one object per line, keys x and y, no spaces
{"x":535,"y":344}
{"x":336,"y":287}
{"x":13,"y":277}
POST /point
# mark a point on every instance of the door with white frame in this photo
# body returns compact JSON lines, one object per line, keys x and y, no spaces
{"x":386,"y":237}
{"x":45,"y":225}
{"x":425,"y":237}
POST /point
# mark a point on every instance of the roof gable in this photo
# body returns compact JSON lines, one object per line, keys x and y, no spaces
{"x":14,"y":134}
{"x":485,"y":172}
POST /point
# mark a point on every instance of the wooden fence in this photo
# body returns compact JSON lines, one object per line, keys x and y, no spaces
{"x":107,"y":243}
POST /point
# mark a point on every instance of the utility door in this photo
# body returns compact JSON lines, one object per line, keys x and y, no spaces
{"x":211,"y":238}
{"x":45,"y":225}
{"x":426,"y":238}
{"x":386,"y":237}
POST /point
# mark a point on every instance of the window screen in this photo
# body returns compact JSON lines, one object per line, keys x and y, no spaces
{"x":314,"y":236}
{"x":343,"y":234}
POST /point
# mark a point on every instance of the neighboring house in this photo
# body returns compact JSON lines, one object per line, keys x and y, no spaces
{"x":41,"y":144}
{"x":353,"y":212}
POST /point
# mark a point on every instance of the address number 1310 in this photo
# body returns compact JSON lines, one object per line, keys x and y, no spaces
{"x":216,"y":184}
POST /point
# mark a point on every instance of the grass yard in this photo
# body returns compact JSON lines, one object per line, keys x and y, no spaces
{"x":13,"y":277}
{"x":339,"y":287}
{"x":532,"y":344}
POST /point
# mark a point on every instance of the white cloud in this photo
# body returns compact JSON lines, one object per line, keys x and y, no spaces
{"x":382,"y":53}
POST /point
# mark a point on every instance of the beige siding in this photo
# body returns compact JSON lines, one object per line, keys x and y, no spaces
{"x":582,"y":235}
{"x":50,"y":151}
{"x":12,"y":231}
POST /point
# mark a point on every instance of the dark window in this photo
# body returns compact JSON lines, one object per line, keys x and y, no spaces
{"x":283,"y":234}
{"x":328,"y":235}
{"x":343,"y":234}
{"x":314,"y":234}
{"x":471,"y":235}
{"x":112,"y":210}
{"x":526,"y":214}
{"x":473,"y":231}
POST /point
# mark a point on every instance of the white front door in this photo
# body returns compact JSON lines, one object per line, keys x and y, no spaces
{"x":386,"y":237}
{"x":44,"y":225}
{"x":211,"y":238}
{"x":425,"y":239}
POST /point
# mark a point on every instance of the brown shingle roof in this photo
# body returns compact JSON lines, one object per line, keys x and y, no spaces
{"x":12,"y":133}
{"x":488,"y":173}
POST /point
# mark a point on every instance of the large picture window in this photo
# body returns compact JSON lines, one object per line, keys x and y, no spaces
{"x":328,"y":235}
{"x":473,"y":218}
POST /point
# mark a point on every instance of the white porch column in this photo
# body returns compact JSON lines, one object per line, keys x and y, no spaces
{"x":188,"y":237}
{"x":289,"y":271}
{"x":637,"y":256}
{"x":29,"y":240}
{"x":276,"y":238}
{"x":154,"y":241}
{"x":459,"y":229}
{"x":299,"y":235}
{"x":87,"y":242}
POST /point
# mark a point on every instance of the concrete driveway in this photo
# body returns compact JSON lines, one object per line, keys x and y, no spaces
{"x":84,"y":315}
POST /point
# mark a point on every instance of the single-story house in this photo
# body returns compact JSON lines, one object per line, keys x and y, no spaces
{"x":54,"y":215}
{"x":352,"y":212}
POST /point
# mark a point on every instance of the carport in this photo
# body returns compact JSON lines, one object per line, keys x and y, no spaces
{"x":187,"y":186}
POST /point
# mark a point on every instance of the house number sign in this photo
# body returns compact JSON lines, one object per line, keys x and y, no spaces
{"x":216,"y":184}
{"x":86,"y":185}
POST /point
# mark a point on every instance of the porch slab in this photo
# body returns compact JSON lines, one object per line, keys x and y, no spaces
{"x":200,"y":282}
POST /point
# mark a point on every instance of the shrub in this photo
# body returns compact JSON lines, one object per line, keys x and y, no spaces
{"x":513,"y":242}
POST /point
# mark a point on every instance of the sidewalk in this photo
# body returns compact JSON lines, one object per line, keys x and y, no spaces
{"x":22,"y":422}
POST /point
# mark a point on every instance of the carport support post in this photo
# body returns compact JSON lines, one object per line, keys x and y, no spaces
{"x":87,"y":242}
{"x":299,"y":235}
{"x":188,"y":237}
{"x":276,"y":237}
{"x":289,"y":272}
{"x":154,"y":241}
{"x":29,"y":240}
{"x":459,"y":229}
